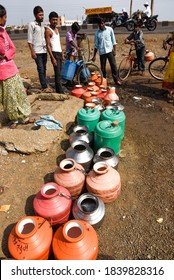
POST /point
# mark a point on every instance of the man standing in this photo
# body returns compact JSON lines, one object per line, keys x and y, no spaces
{"x":105,"y":43}
{"x":54,"y":49}
{"x":37,"y":45}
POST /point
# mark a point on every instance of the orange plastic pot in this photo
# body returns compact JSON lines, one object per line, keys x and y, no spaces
{"x":86,"y":95}
{"x":70,"y":175}
{"x":90,"y":105}
{"x":104,"y":181}
{"x":53,"y":202}
{"x":149,"y":56}
{"x":94,"y":77}
{"x":92,"y":86}
{"x":98,"y":81}
{"x":31,"y":239}
{"x":75,"y":240}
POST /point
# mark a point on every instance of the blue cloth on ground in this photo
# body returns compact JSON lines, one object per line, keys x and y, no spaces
{"x":49,"y":122}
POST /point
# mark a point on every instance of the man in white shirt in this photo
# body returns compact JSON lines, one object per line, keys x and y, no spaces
{"x":37,"y":45}
{"x":147,"y":10}
{"x":54,"y":48}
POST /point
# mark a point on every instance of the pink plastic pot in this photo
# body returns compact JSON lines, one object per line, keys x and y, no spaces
{"x":53,"y":202}
{"x":70,"y":175}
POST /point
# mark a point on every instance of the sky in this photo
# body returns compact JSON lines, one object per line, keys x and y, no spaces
{"x":20,"y":12}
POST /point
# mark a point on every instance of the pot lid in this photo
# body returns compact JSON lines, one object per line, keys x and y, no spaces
{"x":88,"y":113}
{"x":114,"y":114}
{"x":106,"y":128}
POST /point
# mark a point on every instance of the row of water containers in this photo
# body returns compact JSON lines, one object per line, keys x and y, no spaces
{"x":97,"y":137}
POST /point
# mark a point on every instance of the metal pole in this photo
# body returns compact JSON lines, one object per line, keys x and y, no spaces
{"x":152,"y":7}
{"x":131,"y":8}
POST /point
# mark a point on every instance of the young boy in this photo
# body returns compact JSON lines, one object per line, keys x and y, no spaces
{"x":137,"y":38}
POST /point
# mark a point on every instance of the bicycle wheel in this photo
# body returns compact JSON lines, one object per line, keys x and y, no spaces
{"x":157,"y":68}
{"x":124,"y":68}
{"x":84,"y":73}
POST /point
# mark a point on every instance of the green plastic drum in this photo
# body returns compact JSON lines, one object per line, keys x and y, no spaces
{"x":88,"y":117}
{"x":115,"y":115}
{"x":107,"y":134}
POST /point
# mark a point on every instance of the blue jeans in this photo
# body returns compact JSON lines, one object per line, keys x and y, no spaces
{"x":140,"y":59}
{"x":41,"y":61}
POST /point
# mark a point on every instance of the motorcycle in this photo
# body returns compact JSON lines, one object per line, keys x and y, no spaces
{"x":148,"y":22}
{"x":117,"y":22}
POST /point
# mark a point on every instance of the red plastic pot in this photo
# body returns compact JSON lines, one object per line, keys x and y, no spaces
{"x":53,"y":202}
{"x":75,"y":240}
{"x":78,"y":91}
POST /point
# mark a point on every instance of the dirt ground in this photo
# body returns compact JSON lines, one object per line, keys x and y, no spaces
{"x":140,"y":223}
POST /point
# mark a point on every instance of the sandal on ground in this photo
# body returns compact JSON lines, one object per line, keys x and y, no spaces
{"x":12,"y":125}
{"x":47,"y":90}
{"x":28,"y":120}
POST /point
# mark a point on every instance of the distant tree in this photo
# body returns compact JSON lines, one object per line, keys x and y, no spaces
{"x":8,"y":28}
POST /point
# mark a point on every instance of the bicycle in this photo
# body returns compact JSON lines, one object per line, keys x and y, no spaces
{"x":83,"y":68}
{"x":158,"y":66}
{"x":127,"y":64}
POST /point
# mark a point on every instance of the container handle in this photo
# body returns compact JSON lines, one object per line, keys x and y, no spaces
{"x":81,"y":170}
{"x":67,"y":196}
{"x":115,"y":123}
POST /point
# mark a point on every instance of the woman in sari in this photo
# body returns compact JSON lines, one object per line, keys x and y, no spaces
{"x":12,"y":92}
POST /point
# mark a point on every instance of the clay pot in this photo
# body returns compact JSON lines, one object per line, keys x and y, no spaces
{"x":69,"y":174}
{"x":104,"y":182}
{"x":75,"y":240}
{"x":89,"y":208}
{"x":107,"y":155}
{"x":78,"y":91}
{"x":82,"y":153}
{"x":30,"y":239}
{"x":53,"y":202}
